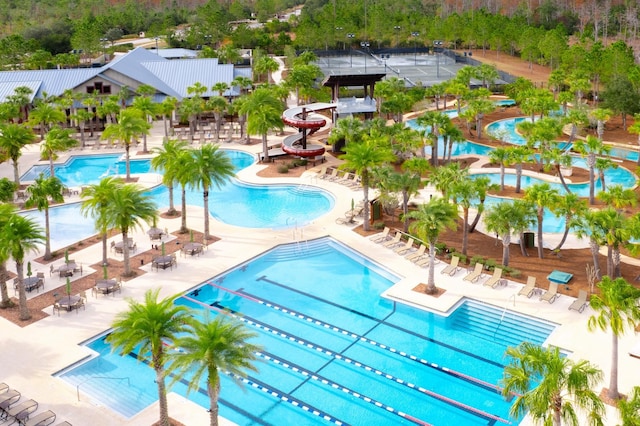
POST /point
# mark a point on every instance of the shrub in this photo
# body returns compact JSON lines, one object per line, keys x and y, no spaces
{"x":463,"y":258}
{"x":476,"y":259}
{"x":378,"y":225}
{"x":441,"y":248}
{"x":490,"y":264}
{"x":283,"y":168}
{"x":515,"y":273}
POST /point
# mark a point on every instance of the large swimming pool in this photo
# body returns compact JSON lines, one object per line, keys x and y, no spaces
{"x":235,"y":203}
{"x":335,"y":352}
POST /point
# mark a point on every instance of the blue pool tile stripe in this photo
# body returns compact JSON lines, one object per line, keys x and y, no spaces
{"x":292,"y":338}
{"x":462,"y":376}
{"x":340,"y":387}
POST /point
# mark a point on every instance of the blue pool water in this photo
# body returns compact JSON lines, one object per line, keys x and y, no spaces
{"x":235,"y":203}
{"x":81,"y":170}
{"x":332,"y":345}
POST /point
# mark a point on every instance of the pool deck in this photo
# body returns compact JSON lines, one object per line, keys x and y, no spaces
{"x":31,"y":355}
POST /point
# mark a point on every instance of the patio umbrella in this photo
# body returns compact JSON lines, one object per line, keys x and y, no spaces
{"x":29,"y":273}
{"x":66,"y":256}
{"x":68,"y":287}
{"x":191,"y":235}
{"x":105,"y":273}
{"x":163,"y":248}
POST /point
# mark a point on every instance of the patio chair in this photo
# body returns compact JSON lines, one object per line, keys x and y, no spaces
{"x":416,"y":255}
{"x":40,"y":275}
{"x":78,"y":268}
{"x":65,"y":423}
{"x":21,"y":411}
{"x":43,"y":419}
{"x":475,"y":275}
{"x":4,"y":387}
{"x":495,"y":279}
{"x":402,"y":250}
{"x":79,"y":304}
{"x":56,"y":308}
{"x":580,"y":303}
{"x":8,"y":398}
{"x":382,"y":236}
{"x":112,"y":246}
{"x":529,"y":288}
{"x":330,"y":174}
{"x":52,"y":270}
{"x":174,"y":260}
{"x":551,"y":294}
{"x":453,"y":267}
{"x":393,"y":242}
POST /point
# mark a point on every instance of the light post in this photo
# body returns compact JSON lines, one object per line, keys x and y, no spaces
{"x":415,"y":36}
{"x":350,"y":36}
{"x":339,"y":29}
{"x":437,"y":45}
{"x":104,"y":41}
{"x":397,"y":28}
{"x":365,"y":45}
{"x":157,"y":51}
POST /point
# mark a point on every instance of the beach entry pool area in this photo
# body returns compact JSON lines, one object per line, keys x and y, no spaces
{"x":334,"y":351}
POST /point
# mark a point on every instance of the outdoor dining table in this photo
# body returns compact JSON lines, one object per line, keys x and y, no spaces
{"x":106,"y":286}
{"x":192,"y":248}
{"x":68,"y":302}
{"x":67,"y":269}
{"x":163,"y":261}
{"x":156,"y":233}
{"x":119,"y":246}
{"x":31,"y":283}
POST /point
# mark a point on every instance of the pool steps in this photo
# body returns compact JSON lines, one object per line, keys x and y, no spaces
{"x":485,"y":321}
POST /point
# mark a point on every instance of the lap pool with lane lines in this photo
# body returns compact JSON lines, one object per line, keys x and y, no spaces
{"x":334,"y":351}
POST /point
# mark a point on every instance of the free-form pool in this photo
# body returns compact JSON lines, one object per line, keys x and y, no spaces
{"x":334,"y":351}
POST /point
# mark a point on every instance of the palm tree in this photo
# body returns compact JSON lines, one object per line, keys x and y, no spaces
{"x":165,"y":162}
{"x":568,"y":206}
{"x":465,"y":194}
{"x":182,"y":168}
{"x":264,"y":112}
{"x":167,"y":107}
{"x":218,"y":105}
{"x":347,"y":130}
{"x":506,"y":218}
{"x":95,"y":199}
{"x":211,"y":347}
{"x":149,"y":109}
{"x":6,"y":211}
{"x":542,"y":196}
{"x":616,"y":310}
{"x":589,"y":225}
{"x":591,"y":148}
{"x":148,"y":328}
{"x":482,"y":187}
{"x":547,"y":385}
{"x":618,"y":197}
{"x":432,"y":121}
{"x":500,"y":156}
{"x":362,"y":158}
{"x":131,"y":123}
{"x":630,"y":408}
{"x":82,"y":116}
{"x":45,"y":114}
{"x":14,"y":137}
{"x":19,"y":236}
{"x":128,"y":206}
{"x":431,"y":219}
{"x":210,"y":166}
{"x":56,"y":140}
{"x":38,"y":195}
{"x":266,"y":65}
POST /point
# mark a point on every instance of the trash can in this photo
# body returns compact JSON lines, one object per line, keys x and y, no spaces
{"x":529,"y":239}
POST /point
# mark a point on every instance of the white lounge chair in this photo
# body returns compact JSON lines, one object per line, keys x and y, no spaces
{"x":580,"y":303}
{"x":551,"y":294}
{"x":393,"y":242}
{"x":453,"y":267}
{"x":475,"y":275}
{"x":382,"y":236}
{"x":495,"y":279}
{"x":416,"y":255}
{"x":402,"y":250}
{"x":43,"y":419}
{"x":529,"y":288}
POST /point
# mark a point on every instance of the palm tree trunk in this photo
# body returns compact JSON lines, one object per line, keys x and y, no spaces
{"x":465,"y":230}
{"x":616,"y":262}
{"x":518,"y":177}
{"x":214,"y":394}
{"x":610,"y":261}
{"x":540,"y":234}
{"x":16,"y":172}
{"x":127,"y":145}
{"x":613,"y":380}
{"x":172,"y":208}
{"x":501,"y":176}
{"x":162,"y":396}
{"x":105,"y":259}
{"x":265,"y":148}
{"x":365,"y":199}
{"x":405,"y":210}
{"x":562,"y":181}
{"x":205,"y":197}
{"x":183,"y":216}
{"x":592,"y":184}
{"x":431,"y":280}
{"x":22,"y":293}
{"x":144,"y":143}
{"x":594,"y":246}
{"x":564,"y":236}
{"x":506,"y":241}
{"x":125,"y":254}
{"x":5,"y":302}
{"x":47,"y":236}
{"x":51,"y":170}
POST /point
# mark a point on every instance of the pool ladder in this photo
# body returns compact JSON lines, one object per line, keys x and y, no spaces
{"x":100,"y":377}
{"x":504,"y":312}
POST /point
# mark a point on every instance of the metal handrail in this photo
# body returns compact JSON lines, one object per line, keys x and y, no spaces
{"x":100,"y":377}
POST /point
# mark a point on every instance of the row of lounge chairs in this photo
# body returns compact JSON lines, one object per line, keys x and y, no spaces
{"x":20,"y":412}
{"x":332,"y":174}
{"x":419,"y":256}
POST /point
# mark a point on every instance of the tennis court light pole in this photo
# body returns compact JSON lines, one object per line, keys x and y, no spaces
{"x":415,"y":36}
{"x":350,"y":36}
{"x":365,"y":45}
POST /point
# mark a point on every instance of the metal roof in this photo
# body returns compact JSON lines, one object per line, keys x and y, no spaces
{"x":53,"y":82}
{"x":175,"y":53}
{"x":9,"y":89}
